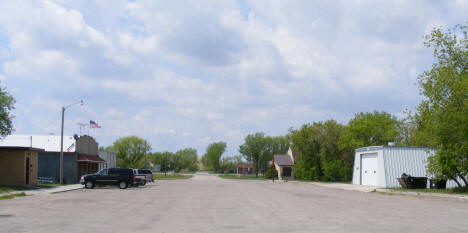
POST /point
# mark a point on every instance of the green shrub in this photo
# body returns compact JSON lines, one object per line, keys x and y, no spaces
{"x":271,"y":172}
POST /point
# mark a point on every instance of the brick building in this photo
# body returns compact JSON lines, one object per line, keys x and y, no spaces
{"x":18,"y":165}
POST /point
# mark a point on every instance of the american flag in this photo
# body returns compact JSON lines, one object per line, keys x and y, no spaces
{"x":71,"y":147}
{"x":93,"y":124}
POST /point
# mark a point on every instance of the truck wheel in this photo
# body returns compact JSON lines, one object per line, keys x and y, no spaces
{"x":123,"y":185}
{"x":89,"y":184}
{"x":144,"y":182}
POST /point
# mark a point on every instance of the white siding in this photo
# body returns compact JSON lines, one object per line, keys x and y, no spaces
{"x":110,"y":157}
{"x":394,"y":161}
{"x":399,"y":160}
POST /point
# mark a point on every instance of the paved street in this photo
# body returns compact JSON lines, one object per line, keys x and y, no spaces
{"x":206,"y":203}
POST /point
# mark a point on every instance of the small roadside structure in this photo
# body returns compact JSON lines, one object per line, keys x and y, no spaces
{"x":18,"y":165}
{"x":244,"y":168}
{"x":284,"y":164}
{"x":382,"y":165}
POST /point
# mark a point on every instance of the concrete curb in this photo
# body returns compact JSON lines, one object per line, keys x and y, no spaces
{"x":457,"y":197}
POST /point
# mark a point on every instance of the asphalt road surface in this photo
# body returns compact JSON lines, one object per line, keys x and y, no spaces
{"x":207,"y":203}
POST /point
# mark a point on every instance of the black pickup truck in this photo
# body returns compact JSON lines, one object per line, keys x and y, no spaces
{"x":123,"y":177}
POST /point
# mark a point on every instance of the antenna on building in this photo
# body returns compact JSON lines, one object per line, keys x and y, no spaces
{"x":81,"y":125}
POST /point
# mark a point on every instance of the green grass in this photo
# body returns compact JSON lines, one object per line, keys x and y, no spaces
{"x":12,"y":196}
{"x":443,"y":191}
{"x":236,"y":177}
{"x":7,"y":189}
{"x":325,"y":182}
{"x":171,"y":176}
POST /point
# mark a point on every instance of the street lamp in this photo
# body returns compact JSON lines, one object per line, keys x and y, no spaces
{"x":61,"y":138}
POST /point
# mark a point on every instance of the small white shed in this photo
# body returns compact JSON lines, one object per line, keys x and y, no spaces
{"x":382,"y":165}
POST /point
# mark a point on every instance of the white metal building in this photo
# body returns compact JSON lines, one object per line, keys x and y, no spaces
{"x":382,"y":165}
{"x":50,"y":143}
{"x":110,"y":157}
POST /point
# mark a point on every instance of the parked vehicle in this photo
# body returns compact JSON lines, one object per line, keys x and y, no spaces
{"x":122,"y":177}
{"x":140,"y":179}
{"x":148,"y":174}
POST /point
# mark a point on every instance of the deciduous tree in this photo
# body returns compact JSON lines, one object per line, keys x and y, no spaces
{"x":130,"y":151}
{"x":259,"y":149}
{"x":6,"y":106}
{"x":213,"y":155}
{"x":442,"y":116}
{"x":369,"y":129}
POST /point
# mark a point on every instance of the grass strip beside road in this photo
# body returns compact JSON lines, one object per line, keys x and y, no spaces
{"x":7,"y":189}
{"x":443,"y":191}
{"x":158,"y":176}
{"x":9,"y":196}
{"x":237,"y":177}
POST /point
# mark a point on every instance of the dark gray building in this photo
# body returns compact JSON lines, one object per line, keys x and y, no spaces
{"x":84,"y":160}
{"x":49,"y":166}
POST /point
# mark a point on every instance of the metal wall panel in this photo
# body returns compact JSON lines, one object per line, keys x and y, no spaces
{"x":399,"y":160}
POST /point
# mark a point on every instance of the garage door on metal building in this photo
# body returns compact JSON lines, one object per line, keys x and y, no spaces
{"x":369,"y":169}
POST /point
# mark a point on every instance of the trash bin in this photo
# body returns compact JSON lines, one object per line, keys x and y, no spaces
{"x":437,"y":183}
{"x":408,"y":181}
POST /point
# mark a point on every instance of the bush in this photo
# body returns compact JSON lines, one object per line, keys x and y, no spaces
{"x":333,"y":171}
{"x":271,"y":172}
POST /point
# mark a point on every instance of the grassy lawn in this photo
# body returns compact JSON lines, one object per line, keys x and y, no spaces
{"x":337,"y":182}
{"x":12,"y":196}
{"x":158,"y":176}
{"x":444,"y":191}
{"x":7,"y":189}
{"x":241,"y":177}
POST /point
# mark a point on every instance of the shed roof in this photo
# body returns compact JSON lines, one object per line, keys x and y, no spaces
{"x":90,"y":158}
{"x":283,"y":160}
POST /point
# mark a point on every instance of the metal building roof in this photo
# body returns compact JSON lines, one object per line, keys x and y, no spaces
{"x":50,"y":143}
{"x":371,"y":148}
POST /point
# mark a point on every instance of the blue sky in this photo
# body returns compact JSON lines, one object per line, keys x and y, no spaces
{"x":188,"y":73}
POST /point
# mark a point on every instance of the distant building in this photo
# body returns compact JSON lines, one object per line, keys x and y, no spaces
{"x":284,"y":164}
{"x":244,"y":168}
{"x":110,"y":157}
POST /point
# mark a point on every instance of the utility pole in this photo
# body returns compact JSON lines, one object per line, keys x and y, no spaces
{"x":61,"y":140}
{"x":145,"y":153}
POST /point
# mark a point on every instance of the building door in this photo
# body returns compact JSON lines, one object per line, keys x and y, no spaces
{"x":27,"y":170}
{"x":286,"y":171}
{"x":369,"y":169}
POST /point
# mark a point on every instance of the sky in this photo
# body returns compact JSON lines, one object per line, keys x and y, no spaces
{"x":188,"y":73}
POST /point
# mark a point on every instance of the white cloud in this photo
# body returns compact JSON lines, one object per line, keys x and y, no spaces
{"x":189,"y":73}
